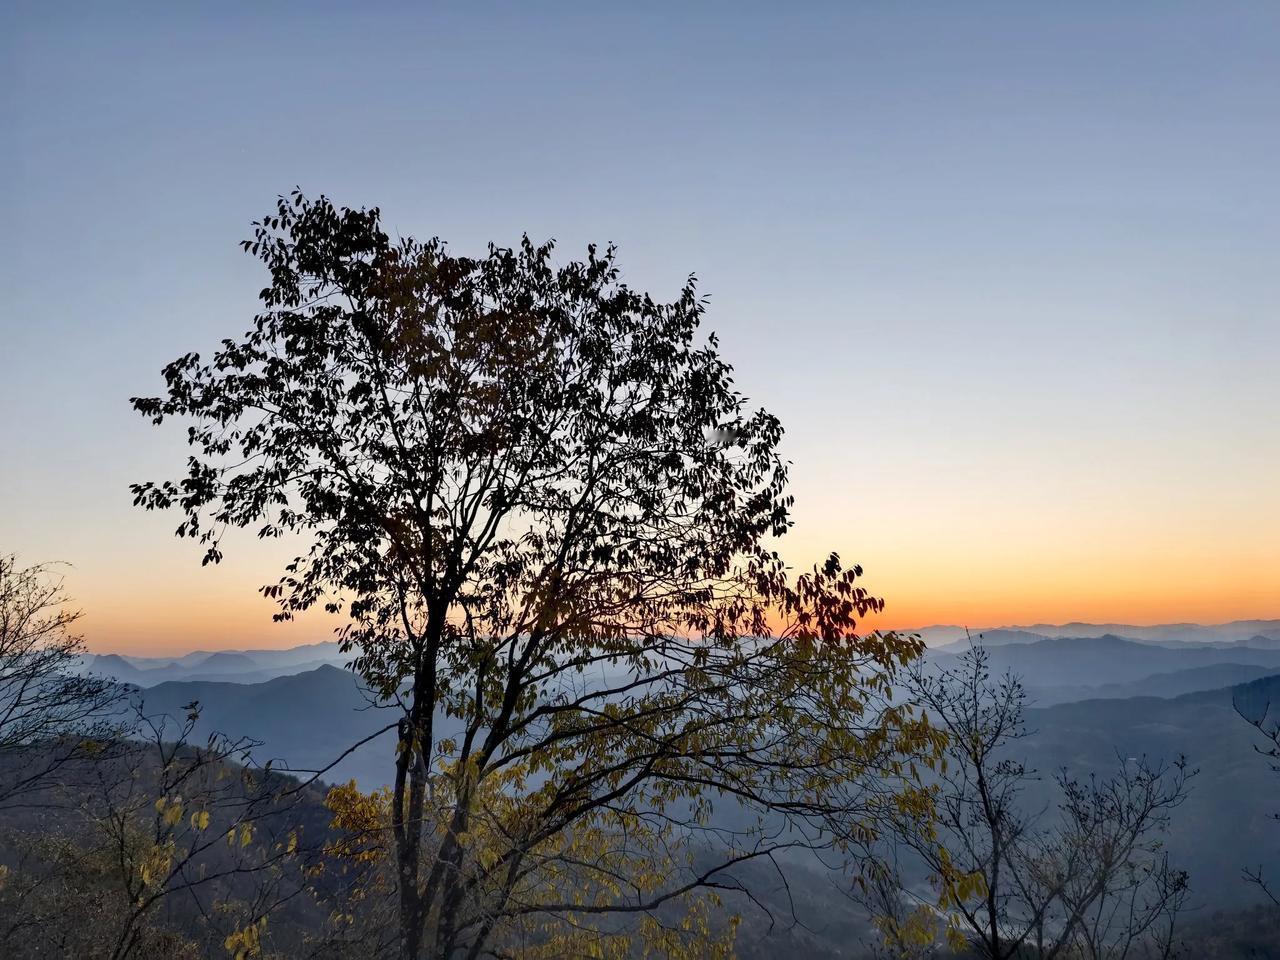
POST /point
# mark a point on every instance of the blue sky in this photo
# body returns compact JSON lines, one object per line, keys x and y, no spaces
{"x":1008,"y":272}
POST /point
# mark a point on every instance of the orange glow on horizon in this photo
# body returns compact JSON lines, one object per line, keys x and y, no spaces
{"x":1002,"y":563}
{"x":219,"y":615}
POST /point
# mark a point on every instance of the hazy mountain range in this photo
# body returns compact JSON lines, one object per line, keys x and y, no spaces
{"x":1237,"y":632}
{"x":233,"y":666}
{"x":1095,"y":699}
{"x":256,"y":666}
{"x":304,"y":721}
{"x":1227,"y":822}
{"x":1057,"y":669}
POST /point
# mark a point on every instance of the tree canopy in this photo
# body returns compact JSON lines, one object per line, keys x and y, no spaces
{"x":548,"y":519}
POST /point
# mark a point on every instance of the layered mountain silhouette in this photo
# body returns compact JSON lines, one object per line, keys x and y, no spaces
{"x":304,"y":721}
{"x":1236,"y":632}
{"x":1068,"y":667}
{"x":234,"y":666}
{"x":1227,"y":822}
{"x":1096,"y":700}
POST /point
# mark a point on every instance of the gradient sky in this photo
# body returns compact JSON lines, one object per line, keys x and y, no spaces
{"x":1008,"y":272}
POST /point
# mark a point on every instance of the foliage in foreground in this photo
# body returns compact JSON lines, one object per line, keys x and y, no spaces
{"x":1090,"y":878}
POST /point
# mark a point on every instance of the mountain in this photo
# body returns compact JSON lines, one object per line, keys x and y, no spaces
{"x":304,"y":721}
{"x":1181,"y":682}
{"x":991,"y":638}
{"x":115,"y":667}
{"x":259,"y":676}
{"x":1262,"y":642}
{"x":1232,"y":632}
{"x":1091,"y":661}
{"x":1227,"y":821}
{"x":1237,"y":632}
{"x":1173,"y":684}
{"x":326,"y":651}
{"x":227,"y":662}
{"x":236,"y":666}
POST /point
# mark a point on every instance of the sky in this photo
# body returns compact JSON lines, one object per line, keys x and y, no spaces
{"x":1007,"y":272}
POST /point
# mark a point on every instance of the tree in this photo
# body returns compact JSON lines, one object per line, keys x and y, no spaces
{"x":1119,"y":896}
{"x":1094,"y":881}
{"x":160,"y":847}
{"x":1252,"y":703}
{"x":546,"y":514}
{"x":182,"y":819}
{"x":109,"y":812}
{"x":47,"y":707}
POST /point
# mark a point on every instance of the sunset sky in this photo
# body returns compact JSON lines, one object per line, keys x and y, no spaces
{"x":1009,"y":273}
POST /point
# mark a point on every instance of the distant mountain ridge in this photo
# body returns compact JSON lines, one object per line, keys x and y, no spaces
{"x":1227,"y":821}
{"x":306,"y":720}
{"x":1060,"y":667}
{"x":1234,"y":633}
{"x":1175,"y":683}
{"x":235,"y":666}
{"x":264,"y":657}
{"x":1089,"y":661}
{"x":992,"y":638}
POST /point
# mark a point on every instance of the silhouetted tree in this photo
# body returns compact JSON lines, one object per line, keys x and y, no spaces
{"x":547,"y":515}
{"x":1252,"y":702}
{"x":1093,"y":881}
{"x":48,"y":709}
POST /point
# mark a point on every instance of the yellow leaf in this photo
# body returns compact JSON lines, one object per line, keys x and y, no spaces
{"x":173,"y":814}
